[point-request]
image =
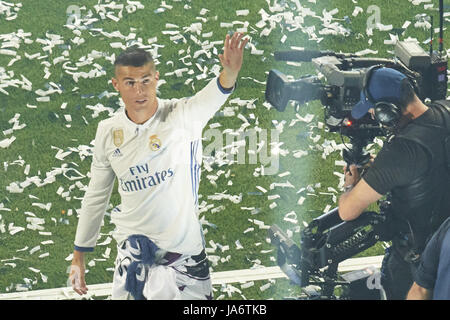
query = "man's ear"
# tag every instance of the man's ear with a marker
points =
(157, 75)
(115, 83)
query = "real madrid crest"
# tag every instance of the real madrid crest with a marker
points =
(118, 137)
(155, 143)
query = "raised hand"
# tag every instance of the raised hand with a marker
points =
(232, 58)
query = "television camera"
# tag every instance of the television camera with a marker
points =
(344, 74)
(328, 240)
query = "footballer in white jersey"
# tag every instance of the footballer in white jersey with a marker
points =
(153, 148)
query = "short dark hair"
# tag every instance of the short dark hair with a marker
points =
(407, 94)
(133, 56)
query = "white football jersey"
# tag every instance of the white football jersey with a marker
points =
(157, 165)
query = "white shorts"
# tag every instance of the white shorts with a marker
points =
(172, 277)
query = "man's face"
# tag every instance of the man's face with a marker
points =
(137, 86)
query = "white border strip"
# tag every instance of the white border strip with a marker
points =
(217, 278)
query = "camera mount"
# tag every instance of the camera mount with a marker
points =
(325, 242)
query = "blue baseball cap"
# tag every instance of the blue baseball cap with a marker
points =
(384, 85)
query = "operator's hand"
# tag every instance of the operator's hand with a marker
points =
(232, 58)
(352, 176)
(77, 271)
(371, 160)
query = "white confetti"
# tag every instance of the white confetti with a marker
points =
(249, 230)
(5, 143)
(261, 189)
(33, 250)
(69, 257)
(244, 12)
(14, 229)
(265, 287)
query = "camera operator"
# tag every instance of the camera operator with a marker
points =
(410, 169)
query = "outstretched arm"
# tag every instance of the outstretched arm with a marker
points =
(358, 196)
(231, 59)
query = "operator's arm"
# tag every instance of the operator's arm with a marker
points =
(397, 164)
(418, 293)
(358, 197)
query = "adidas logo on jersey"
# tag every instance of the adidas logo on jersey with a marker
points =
(117, 153)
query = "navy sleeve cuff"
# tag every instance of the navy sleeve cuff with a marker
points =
(225, 90)
(84, 249)
(424, 279)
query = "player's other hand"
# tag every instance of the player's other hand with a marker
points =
(76, 276)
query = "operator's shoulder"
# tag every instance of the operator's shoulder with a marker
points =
(403, 147)
(441, 103)
(402, 142)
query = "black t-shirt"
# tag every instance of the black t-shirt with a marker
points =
(399, 162)
(396, 169)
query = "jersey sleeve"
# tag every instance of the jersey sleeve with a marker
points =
(397, 164)
(200, 108)
(96, 198)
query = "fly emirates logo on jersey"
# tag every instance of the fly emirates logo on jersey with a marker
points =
(144, 179)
